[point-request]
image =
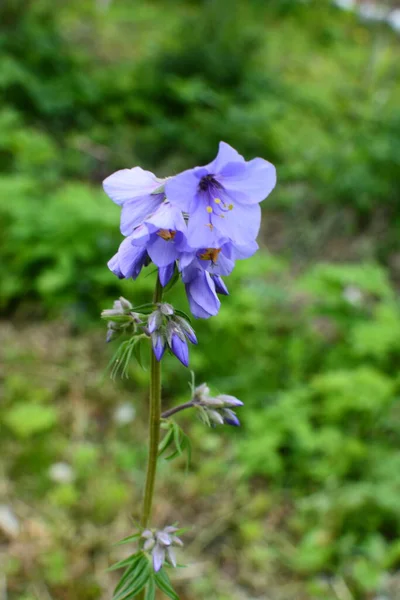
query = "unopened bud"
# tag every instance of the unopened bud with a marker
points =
(166, 309)
(125, 304)
(216, 417)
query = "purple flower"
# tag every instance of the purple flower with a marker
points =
(162, 234)
(139, 193)
(222, 198)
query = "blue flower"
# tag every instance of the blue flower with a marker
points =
(222, 199)
(161, 234)
(157, 240)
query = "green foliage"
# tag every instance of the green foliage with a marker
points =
(26, 419)
(139, 574)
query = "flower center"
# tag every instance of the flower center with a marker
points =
(166, 234)
(210, 254)
(215, 207)
(208, 182)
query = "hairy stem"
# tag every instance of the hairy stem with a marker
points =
(154, 425)
(172, 411)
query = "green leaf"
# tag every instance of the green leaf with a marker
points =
(136, 581)
(177, 437)
(151, 590)
(164, 584)
(130, 561)
(181, 313)
(137, 350)
(165, 442)
(128, 540)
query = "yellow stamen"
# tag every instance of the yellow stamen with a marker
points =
(210, 254)
(209, 209)
(166, 234)
(230, 206)
(217, 201)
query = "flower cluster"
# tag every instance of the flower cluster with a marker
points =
(121, 319)
(160, 544)
(216, 410)
(198, 223)
(169, 329)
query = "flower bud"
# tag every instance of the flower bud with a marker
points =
(159, 345)
(166, 309)
(125, 304)
(230, 417)
(180, 348)
(215, 417)
(154, 321)
(229, 400)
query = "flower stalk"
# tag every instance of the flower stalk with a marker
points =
(154, 425)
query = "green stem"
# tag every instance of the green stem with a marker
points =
(154, 424)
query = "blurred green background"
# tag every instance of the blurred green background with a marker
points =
(303, 502)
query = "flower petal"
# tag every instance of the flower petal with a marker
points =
(200, 234)
(162, 252)
(181, 189)
(220, 286)
(127, 184)
(241, 224)
(241, 252)
(158, 557)
(226, 154)
(165, 274)
(135, 211)
(202, 297)
(250, 185)
(131, 259)
(113, 265)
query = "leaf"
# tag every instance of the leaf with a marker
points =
(181, 313)
(130, 574)
(151, 590)
(136, 581)
(137, 350)
(125, 562)
(177, 437)
(127, 540)
(165, 442)
(164, 584)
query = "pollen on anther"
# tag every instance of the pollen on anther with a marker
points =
(209, 209)
(217, 201)
(230, 206)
